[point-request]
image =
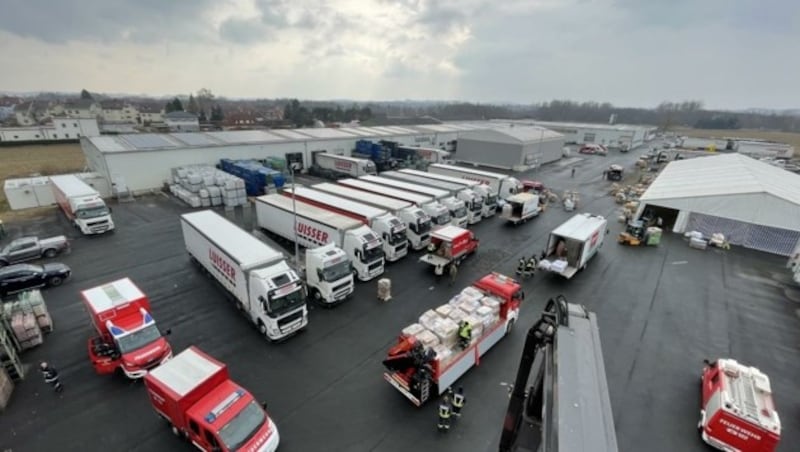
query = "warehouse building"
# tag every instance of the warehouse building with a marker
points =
(142, 162)
(755, 205)
(512, 147)
(614, 136)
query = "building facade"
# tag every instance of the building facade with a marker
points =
(61, 129)
(181, 121)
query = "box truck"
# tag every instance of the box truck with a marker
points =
(385, 224)
(439, 214)
(195, 395)
(502, 184)
(254, 275)
(488, 195)
(450, 244)
(82, 205)
(571, 245)
(418, 223)
(457, 208)
(472, 201)
(316, 227)
(127, 336)
(520, 208)
(334, 166)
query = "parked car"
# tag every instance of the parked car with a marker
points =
(18, 277)
(593, 149)
(29, 248)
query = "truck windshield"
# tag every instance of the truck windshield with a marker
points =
(92, 212)
(138, 339)
(477, 205)
(243, 426)
(397, 237)
(424, 227)
(336, 271)
(443, 219)
(460, 212)
(491, 200)
(285, 303)
(371, 255)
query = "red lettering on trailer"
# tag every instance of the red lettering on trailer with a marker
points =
(343, 164)
(475, 178)
(221, 264)
(595, 236)
(312, 233)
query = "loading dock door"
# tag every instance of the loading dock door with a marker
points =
(757, 237)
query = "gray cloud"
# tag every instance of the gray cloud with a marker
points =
(245, 31)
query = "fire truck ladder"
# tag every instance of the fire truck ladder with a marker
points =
(567, 407)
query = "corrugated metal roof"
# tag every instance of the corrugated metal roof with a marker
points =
(196, 139)
(728, 174)
(289, 134)
(244, 136)
(375, 131)
(356, 131)
(326, 133)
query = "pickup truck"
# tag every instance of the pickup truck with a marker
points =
(29, 248)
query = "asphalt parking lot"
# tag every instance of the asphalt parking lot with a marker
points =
(661, 311)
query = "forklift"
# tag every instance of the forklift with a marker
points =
(636, 234)
(614, 172)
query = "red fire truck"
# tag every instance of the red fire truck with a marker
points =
(194, 393)
(738, 413)
(128, 337)
(421, 371)
(449, 244)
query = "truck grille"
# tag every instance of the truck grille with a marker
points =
(374, 266)
(98, 226)
(336, 289)
(290, 318)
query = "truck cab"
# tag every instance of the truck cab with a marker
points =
(281, 299)
(366, 251)
(128, 338)
(449, 244)
(329, 274)
(458, 211)
(473, 203)
(418, 225)
(440, 215)
(489, 199)
(393, 233)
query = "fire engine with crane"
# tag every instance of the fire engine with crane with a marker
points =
(194, 393)
(450, 244)
(738, 413)
(428, 357)
(127, 335)
(567, 407)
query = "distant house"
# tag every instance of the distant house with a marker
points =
(30, 113)
(150, 114)
(243, 119)
(117, 111)
(82, 108)
(274, 114)
(181, 121)
(61, 129)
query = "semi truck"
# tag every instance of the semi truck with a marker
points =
(385, 224)
(316, 227)
(427, 359)
(440, 215)
(502, 184)
(418, 223)
(457, 208)
(738, 411)
(82, 205)
(566, 407)
(573, 243)
(485, 191)
(332, 166)
(472, 201)
(127, 337)
(520, 208)
(450, 244)
(254, 275)
(195, 395)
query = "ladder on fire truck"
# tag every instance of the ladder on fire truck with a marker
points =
(567, 406)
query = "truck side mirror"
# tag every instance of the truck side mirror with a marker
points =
(110, 210)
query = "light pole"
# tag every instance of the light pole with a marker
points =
(292, 169)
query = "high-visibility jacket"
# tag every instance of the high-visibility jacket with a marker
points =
(465, 331)
(444, 411)
(458, 401)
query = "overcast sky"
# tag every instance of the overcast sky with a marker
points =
(727, 53)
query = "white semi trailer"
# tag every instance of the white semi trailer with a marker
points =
(488, 194)
(457, 208)
(253, 274)
(472, 200)
(316, 227)
(502, 184)
(418, 223)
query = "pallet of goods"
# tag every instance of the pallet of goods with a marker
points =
(206, 186)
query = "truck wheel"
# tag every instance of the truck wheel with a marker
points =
(3, 263)
(262, 328)
(55, 281)
(50, 252)
(315, 295)
(510, 326)
(176, 431)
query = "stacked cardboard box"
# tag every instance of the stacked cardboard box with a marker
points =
(206, 186)
(26, 329)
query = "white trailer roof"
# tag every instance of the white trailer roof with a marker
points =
(448, 233)
(425, 181)
(387, 191)
(237, 243)
(338, 202)
(471, 171)
(185, 371)
(116, 293)
(428, 191)
(343, 157)
(71, 185)
(580, 227)
(370, 198)
(441, 177)
(522, 198)
(318, 214)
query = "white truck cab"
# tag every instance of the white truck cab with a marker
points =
(458, 211)
(439, 213)
(329, 274)
(473, 203)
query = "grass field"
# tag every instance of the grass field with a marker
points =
(23, 161)
(781, 137)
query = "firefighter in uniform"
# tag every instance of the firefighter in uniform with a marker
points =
(51, 377)
(521, 265)
(458, 402)
(464, 334)
(530, 266)
(444, 414)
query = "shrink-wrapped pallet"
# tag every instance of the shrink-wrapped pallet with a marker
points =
(428, 318)
(491, 303)
(427, 338)
(413, 329)
(476, 324)
(472, 292)
(446, 330)
(457, 315)
(469, 305)
(444, 310)
(443, 353)
(455, 301)
(487, 317)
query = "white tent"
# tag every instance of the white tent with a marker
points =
(754, 204)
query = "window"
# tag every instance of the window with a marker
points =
(15, 137)
(193, 427)
(211, 440)
(37, 135)
(55, 135)
(74, 124)
(66, 135)
(79, 135)
(63, 125)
